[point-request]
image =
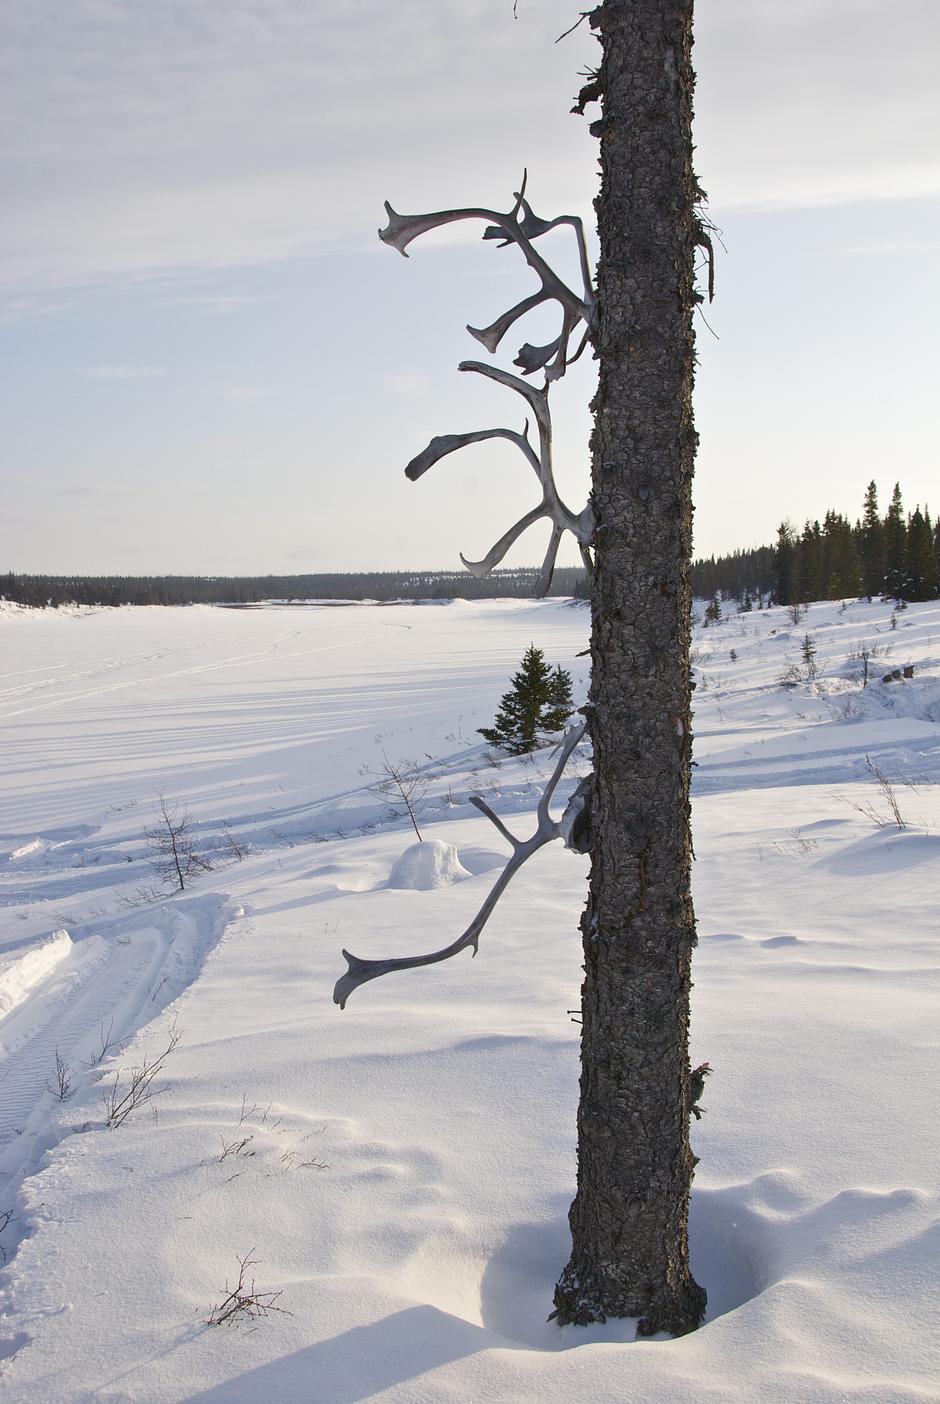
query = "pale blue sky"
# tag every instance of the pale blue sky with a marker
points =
(208, 363)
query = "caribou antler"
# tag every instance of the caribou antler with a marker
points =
(509, 229)
(521, 226)
(359, 971)
(551, 505)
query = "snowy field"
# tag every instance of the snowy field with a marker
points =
(400, 1172)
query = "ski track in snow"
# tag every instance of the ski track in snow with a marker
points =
(86, 1010)
(234, 661)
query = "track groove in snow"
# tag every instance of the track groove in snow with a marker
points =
(104, 991)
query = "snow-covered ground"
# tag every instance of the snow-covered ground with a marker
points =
(400, 1172)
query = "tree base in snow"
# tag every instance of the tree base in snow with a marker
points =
(676, 1313)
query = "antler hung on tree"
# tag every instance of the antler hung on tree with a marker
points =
(521, 226)
(359, 972)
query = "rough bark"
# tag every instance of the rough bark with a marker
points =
(629, 1218)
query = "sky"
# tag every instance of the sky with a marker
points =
(209, 363)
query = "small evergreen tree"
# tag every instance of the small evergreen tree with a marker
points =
(895, 539)
(538, 702)
(920, 577)
(872, 545)
(784, 564)
(810, 555)
(808, 653)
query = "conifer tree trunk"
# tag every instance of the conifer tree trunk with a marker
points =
(629, 1219)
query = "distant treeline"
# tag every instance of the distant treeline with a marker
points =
(897, 554)
(43, 591)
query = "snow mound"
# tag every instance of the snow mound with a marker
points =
(19, 974)
(26, 850)
(427, 865)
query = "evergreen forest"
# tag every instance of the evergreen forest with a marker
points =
(43, 591)
(896, 553)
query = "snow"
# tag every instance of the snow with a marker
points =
(402, 1170)
(427, 865)
(21, 971)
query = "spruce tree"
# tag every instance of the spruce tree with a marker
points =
(872, 545)
(538, 702)
(629, 1251)
(808, 653)
(784, 564)
(920, 575)
(895, 537)
(560, 705)
(810, 555)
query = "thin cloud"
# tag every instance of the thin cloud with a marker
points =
(245, 394)
(219, 303)
(122, 372)
(406, 384)
(119, 163)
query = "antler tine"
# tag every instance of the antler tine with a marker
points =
(581, 526)
(482, 568)
(559, 365)
(491, 336)
(402, 229)
(443, 444)
(360, 972)
(544, 579)
(479, 803)
(577, 224)
(520, 193)
(531, 393)
(572, 738)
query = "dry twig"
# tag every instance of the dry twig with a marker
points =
(121, 1100)
(244, 1299)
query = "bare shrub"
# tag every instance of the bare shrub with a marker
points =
(799, 845)
(234, 1148)
(234, 848)
(244, 1300)
(402, 780)
(887, 791)
(879, 816)
(125, 1098)
(61, 1084)
(172, 841)
(864, 653)
(143, 895)
(6, 1218)
(106, 1043)
(844, 709)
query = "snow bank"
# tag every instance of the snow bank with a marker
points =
(21, 973)
(427, 865)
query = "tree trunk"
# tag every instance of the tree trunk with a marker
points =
(629, 1218)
